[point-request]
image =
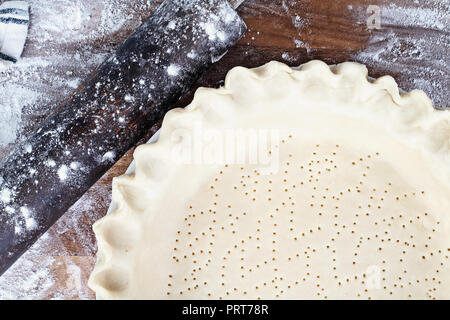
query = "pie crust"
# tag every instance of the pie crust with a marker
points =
(290, 183)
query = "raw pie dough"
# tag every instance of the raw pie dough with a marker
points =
(353, 202)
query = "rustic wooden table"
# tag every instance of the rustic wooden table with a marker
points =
(411, 43)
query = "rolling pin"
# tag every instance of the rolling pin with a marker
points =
(107, 115)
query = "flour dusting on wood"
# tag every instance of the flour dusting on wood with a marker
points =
(418, 59)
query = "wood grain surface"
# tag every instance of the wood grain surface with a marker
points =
(414, 50)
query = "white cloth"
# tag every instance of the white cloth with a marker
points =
(14, 21)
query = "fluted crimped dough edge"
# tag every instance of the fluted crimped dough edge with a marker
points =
(409, 116)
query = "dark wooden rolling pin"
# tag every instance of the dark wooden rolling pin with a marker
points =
(107, 115)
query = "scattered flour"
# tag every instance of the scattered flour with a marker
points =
(173, 70)
(435, 17)
(53, 268)
(286, 56)
(29, 280)
(66, 41)
(413, 44)
(63, 172)
(12, 100)
(108, 156)
(417, 59)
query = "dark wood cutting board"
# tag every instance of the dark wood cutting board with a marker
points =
(412, 44)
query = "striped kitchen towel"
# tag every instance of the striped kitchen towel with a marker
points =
(14, 20)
